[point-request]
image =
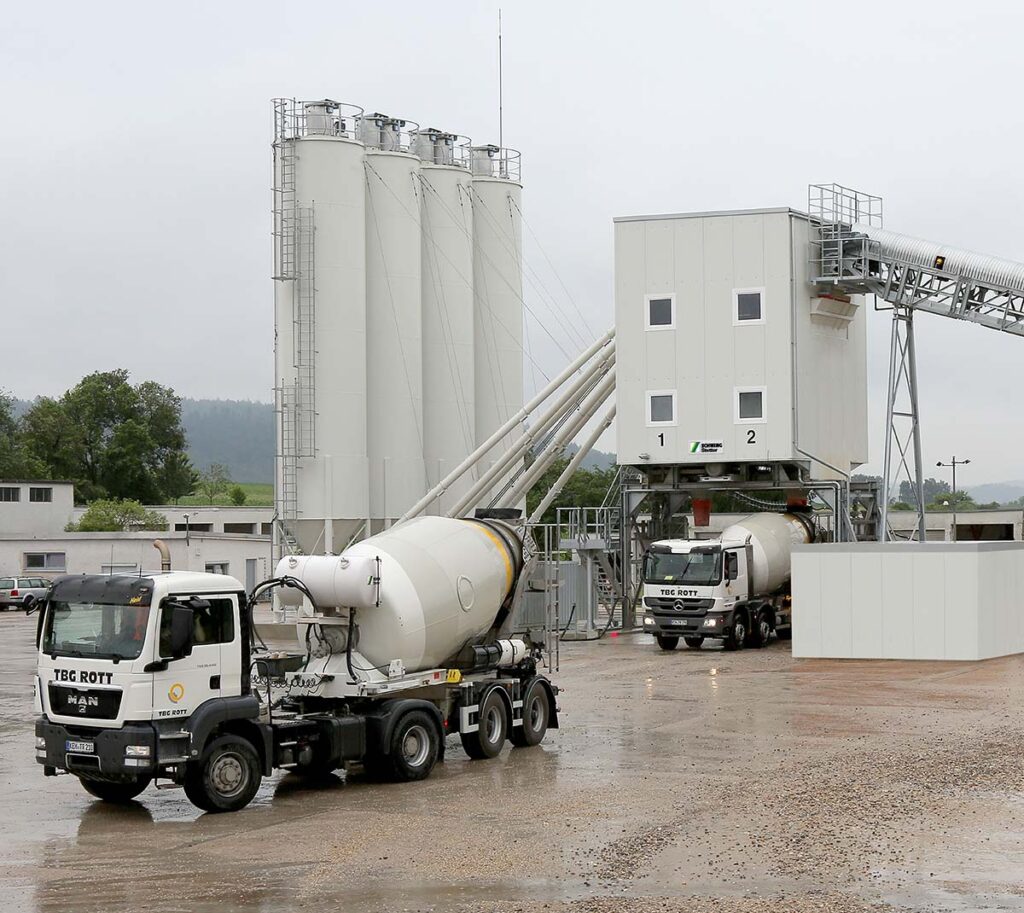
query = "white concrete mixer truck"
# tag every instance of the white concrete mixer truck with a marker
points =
(407, 636)
(734, 588)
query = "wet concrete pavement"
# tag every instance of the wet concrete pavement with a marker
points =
(678, 782)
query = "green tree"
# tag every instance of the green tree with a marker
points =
(214, 481)
(933, 488)
(108, 516)
(585, 488)
(237, 495)
(178, 478)
(110, 438)
(16, 461)
(948, 501)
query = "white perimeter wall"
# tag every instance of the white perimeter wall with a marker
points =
(956, 601)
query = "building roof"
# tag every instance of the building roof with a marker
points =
(711, 213)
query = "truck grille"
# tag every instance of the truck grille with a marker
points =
(671, 605)
(95, 703)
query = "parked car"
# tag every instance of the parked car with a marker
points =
(22, 592)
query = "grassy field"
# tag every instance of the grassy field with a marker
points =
(257, 494)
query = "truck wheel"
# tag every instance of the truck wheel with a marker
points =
(666, 641)
(226, 777)
(737, 637)
(490, 736)
(763, 634)
(694, 643)
(536, 713)
(413, 749)
(116, 792)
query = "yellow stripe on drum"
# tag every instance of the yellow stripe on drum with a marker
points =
(503, 548)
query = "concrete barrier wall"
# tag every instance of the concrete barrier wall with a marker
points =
(957, 601)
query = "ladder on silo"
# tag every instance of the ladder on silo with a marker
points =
(304, 333)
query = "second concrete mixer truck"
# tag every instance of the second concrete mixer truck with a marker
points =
(407, 641)
(734, 588)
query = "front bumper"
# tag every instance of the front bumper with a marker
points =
(687, 626)
(106, 760)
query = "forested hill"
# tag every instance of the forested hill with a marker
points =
(237, 433)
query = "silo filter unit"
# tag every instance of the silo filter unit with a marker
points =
(447, 265)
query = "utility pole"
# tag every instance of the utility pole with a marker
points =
(953, 465)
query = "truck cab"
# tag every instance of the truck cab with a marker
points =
(702, 589)
(134, 674)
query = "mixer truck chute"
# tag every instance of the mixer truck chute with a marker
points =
(151, 677)
(734, 588)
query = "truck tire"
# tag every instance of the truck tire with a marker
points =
(694, 643)
(413, 750)
(536, 713)
(737, 636)
(666, 641)
(762, 634)
(117, 793)
(492, 730)
(226, 777)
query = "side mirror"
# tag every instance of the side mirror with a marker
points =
(180, 640)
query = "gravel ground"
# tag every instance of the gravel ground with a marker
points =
(686, 781)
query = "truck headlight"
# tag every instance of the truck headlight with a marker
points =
(40, 742)
(136, 751)
(648, 621)
(710, 622)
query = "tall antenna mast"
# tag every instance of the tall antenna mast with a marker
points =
(501, 143)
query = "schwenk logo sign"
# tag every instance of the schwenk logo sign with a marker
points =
(706, 446)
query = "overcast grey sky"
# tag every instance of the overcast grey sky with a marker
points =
(136, 162)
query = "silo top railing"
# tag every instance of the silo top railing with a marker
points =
(389, 134)
(294, 119)
(496, 162)
(436, 147)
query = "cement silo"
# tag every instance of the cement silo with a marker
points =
(497, 291)
(394, 394)
(446, 212)
(320, 311)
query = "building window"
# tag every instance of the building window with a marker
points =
(266, 529)
(193, 527)
(747, 306)
(660, 312)
(44, 561)
(661, 407)
(10, 494)
(40, 495)
(216, 567)
(248, 529)
(750, 405)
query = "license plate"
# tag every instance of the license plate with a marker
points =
(81, 747)
(677, 621)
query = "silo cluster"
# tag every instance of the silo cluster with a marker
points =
(398, 310)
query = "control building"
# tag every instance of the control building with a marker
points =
(731, 365)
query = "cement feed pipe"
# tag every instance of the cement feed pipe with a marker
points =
(607, 340)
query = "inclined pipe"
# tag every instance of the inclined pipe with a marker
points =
(542, 424)
(574, 464)
(165, 555)
(474, 457)
(586, 411)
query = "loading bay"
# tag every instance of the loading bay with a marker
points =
(678, 781)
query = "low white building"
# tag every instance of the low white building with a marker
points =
(35, 507)
(246, 557)
(34, 515)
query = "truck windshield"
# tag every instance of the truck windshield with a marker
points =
(96, 630)
(695, 568)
